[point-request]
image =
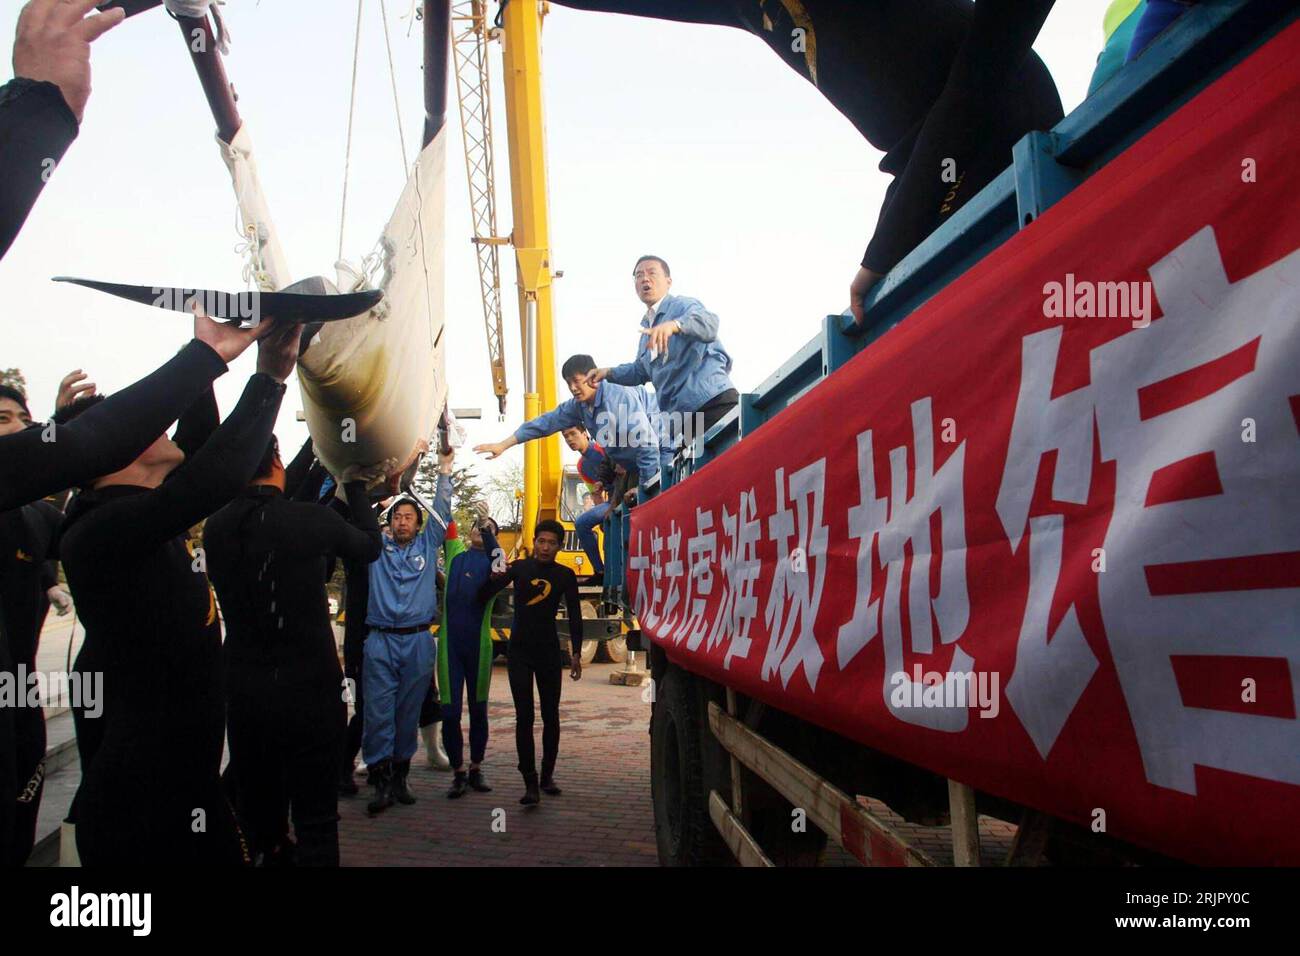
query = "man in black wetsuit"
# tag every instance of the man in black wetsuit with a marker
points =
(356, 593)
(533, 653)
(26, 579)
(269, 558)
(151, 793)
(926, 81)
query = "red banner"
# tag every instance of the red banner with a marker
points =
(1044, 536)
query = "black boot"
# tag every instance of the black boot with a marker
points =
(400, 792)
(478, 781)
(347, 785)
(318, 843)
(549, 787)
(458, 786)
(381, 775)
(531, 797)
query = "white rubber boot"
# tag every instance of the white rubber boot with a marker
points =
(433, 751)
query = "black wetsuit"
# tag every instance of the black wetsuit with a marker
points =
(26, 574)
(269, 558)
(304, 480)
(36, 127)
(356, 595)
(194, 428)
(922, 80)
(151, 793)
(534, 651)
(108, 436)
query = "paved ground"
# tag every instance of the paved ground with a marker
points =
(603, 818)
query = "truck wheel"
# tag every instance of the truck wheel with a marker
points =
(683, 830)
(589, 649)
(616, 649)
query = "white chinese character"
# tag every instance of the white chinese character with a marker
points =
(701, 552)
(1049, 676)
(889, 530)
(741, 568)
(673, 573)
(1182, 554)
(795, 590)
(638, 569)
(650, 616)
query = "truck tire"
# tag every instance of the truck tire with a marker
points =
(684, 833)
(616, 649)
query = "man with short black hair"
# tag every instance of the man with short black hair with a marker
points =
(592, 464)
(465, 652)
(269, 558)
(28, 585)
(533, 653)
(152, 628)
(615, 415)
(399, 651)
(691, 375)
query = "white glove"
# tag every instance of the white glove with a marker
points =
(61, 600)
(456, 434)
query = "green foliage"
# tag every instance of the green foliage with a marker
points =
(504, 491)
(13, 377)
(466, 494)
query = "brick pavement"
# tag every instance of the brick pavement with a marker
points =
(603, 818)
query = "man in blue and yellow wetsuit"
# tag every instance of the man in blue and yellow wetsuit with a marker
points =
(465, 651)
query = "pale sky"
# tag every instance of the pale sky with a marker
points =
(694, 143)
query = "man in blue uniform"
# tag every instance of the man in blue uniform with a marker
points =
(680, 354)
(399, 651)
(592, 462)
(614, 414)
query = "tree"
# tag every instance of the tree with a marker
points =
(466, 494)
(13, 377)
(504, 491)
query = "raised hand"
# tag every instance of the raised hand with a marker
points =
(659, 336)
(53, 45)
(72, 387)
(227, 339)
(277, 349)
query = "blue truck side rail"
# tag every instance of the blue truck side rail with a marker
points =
(1203, 44)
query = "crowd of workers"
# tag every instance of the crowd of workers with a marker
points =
(178, 690)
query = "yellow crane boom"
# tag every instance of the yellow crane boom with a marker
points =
(525, 126)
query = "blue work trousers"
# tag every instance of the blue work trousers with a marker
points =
(585, 525)
(395, 676)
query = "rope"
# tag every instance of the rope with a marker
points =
(392, 75)
(419, 197)
(352, 107)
